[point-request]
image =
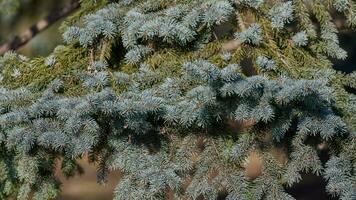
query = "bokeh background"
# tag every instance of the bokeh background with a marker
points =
(17, 17)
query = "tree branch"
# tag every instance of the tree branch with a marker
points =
(41, 25)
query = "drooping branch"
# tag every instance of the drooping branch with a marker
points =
(41, 25)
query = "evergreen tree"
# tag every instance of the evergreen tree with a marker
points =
(156, 89)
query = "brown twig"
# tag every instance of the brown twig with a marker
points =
(240, 22)
(41, 25)
(234, 44)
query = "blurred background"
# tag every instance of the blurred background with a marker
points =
(17, 16)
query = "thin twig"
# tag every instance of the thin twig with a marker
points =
(91, 59)
(240, 22)
(104, 47)
(41, 25)
(234, 44)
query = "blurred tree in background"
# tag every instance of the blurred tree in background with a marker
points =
(18, 15)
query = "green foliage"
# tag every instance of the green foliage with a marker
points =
(9, 6)
(149, 88)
